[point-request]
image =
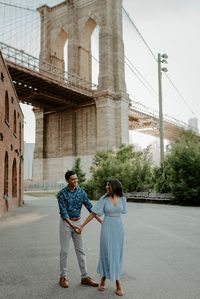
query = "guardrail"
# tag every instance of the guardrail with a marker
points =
(28, 61)
(149, 197)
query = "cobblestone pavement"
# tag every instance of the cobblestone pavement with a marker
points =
(162, 253)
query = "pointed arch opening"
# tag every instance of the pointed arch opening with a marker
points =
(66, 55)
(20, 137)
(58, 51)
(6, 174)
(14, 178)
(89, 51)
(95, 54)
(7, 108)
(20, 183)
(15, 123)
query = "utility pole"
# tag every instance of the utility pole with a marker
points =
(161, 59)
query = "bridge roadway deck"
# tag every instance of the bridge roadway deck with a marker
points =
(46, 90)
(161, 253)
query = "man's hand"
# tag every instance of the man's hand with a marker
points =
(77, 229)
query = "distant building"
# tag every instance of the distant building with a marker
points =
(11, 143)
(28, 160)
(193, 124)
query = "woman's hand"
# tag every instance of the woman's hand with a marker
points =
(80, 228)
(77, 229)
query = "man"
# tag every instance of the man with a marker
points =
(70, 201)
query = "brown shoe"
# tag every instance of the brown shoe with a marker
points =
(63, 282)
(89, 281)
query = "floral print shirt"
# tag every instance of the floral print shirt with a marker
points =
(70, 203)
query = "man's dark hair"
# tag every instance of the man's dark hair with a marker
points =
(68, 174)
(116, 186)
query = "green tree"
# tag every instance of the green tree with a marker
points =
(180, 171)
(162, 177)
(184, 161)
(132, 168)
(77, 169)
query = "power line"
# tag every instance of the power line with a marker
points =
(180, 95)
(139, 33)
(139, 78)
(140, 74)
(17, 6)
(133, 69)
(146, 44)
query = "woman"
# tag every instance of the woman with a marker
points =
(112, 205)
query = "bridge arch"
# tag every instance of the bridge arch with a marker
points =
(85, 54)
(98, 123)
(57, 52)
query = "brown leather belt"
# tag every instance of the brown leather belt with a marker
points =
(75, 219)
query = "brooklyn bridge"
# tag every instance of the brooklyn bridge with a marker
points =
(75, 117)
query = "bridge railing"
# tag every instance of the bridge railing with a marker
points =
(147, 196)
(72, 81)
(140, 108)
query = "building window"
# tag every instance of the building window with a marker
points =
(20, 136)
(6, 107)
(20, 185)
(14, 178)
(15, 123)
(2, 77)
(6, 174)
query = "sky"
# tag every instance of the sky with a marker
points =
(170, 27)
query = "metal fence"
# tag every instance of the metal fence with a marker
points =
(43, 186)
(72, 81)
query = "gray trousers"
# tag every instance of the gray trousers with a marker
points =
(66, 233)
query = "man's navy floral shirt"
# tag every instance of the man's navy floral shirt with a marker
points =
(70, 203)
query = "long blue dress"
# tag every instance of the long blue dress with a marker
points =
(111, 238)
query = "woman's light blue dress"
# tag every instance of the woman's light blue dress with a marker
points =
(111, 238)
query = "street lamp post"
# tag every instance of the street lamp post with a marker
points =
(161, 59)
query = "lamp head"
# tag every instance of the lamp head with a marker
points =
(164, 69)
(164, 56)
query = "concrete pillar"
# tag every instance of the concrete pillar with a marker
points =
(38, 164)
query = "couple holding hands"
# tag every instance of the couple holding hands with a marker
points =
(111, 205)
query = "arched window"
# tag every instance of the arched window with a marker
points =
(89, 52)
(95, 54)
(6, 107)
(15, 123)
(66, 55)
(20, 181)
(6, 174)
(20, 136)
(14, 178)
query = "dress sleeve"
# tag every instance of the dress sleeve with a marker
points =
(124, 205)
(99, 207)
(87, 202)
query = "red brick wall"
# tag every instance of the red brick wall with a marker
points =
(10, 142)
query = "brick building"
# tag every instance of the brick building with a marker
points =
(11, 143)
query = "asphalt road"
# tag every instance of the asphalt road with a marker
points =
(162, 253)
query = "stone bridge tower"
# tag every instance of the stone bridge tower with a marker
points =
(63, 136)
